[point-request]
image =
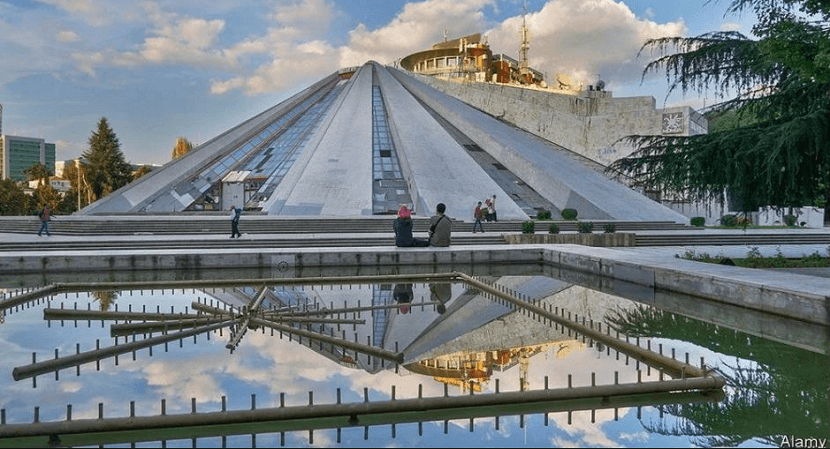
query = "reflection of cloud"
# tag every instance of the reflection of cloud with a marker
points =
(637, 437)
(183, 381)
(589, 433)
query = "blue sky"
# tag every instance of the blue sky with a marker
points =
(159, 69)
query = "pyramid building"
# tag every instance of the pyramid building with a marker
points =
(363, 141)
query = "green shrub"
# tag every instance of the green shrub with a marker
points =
(543, 215)
(728, 220)
(585, 227)
(569, 214)
(698, 221)
(610, 228)
(790, 220)
(553, 229)
(528, 227)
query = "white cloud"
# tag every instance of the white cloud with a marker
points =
(583, 39)
(67, 36)
(97, 14)
(416, 28)
(580, 38)
(298, 46)
(314, 15)
(179, 40)
(731, 26)
(75, 6)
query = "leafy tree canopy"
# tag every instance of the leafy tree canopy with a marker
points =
(107, 169)
(37, 172)
(182, 147)
(13, 200)
(143, 170)
(776, 151)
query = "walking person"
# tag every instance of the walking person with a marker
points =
(440, 227)
(235, 213)
(45, 215)
(491, 209)
(478, 214)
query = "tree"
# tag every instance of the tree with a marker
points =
(38, 172)
(76, 174)
(13, 200)
(182, 147)
(777, 152)
(46, 195)
(143, 170)
(107, 169)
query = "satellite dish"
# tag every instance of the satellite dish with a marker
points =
(600, 85)
(565, 81)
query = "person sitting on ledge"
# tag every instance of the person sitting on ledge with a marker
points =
(403, 230)
(440, 227)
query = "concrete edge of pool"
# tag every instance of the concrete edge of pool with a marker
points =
(801, 297)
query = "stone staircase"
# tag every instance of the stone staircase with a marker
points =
(280, 232)
(254, 224)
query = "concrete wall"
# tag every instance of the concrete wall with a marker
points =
(560, 176)
(590, 123)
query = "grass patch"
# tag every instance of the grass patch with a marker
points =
(741, 227)
(754, 259)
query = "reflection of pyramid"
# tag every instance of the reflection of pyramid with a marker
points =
(296, 308)
(365, 140)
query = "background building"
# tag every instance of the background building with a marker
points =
(19, 153)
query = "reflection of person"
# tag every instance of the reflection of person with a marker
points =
(235, 213)
(45, 215)
(440, 227)
(403, 230)
(403, 295)
(440, 293)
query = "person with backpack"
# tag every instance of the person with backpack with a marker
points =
(440, 227)
(478, 215)
(235, 213)
(45, 215)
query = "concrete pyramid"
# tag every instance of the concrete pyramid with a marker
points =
(366, 140)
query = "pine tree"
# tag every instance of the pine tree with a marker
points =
(777, 151)
(107, 169)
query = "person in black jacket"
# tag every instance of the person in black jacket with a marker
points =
(235, 213)
(403, 229)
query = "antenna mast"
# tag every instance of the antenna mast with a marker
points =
(524, 66)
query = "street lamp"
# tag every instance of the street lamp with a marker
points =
(78, 166)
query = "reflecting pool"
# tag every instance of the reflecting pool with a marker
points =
(403, 360)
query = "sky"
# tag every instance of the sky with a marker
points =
(160, 69)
